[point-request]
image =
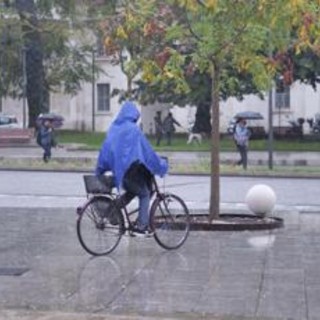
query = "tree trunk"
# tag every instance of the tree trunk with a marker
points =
(215, 147)
(37, 93)
(203, 118)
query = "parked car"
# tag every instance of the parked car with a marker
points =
(8, 121)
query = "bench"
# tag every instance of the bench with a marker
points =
(16, 135)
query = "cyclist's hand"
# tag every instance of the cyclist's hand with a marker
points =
(164, 165)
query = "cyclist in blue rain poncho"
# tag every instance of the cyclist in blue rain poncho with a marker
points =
(128, 154)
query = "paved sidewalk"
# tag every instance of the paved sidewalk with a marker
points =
(265, 275)
(215, 275)
(255, 157)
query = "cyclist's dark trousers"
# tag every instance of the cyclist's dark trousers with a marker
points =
(137, 183)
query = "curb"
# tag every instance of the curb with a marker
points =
(196, 174)
(227, 222)
(235, 222)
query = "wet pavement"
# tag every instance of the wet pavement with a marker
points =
(270, 274)
(265, 275)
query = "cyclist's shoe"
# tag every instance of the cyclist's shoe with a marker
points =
(142, 233)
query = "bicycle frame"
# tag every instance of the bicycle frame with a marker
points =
(162, 220)
(155, 191)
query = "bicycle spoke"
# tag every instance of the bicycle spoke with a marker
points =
(170, 221)
(97, 232)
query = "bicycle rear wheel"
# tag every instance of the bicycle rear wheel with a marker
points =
(100, 226)
(170, 221)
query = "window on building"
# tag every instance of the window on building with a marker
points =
(100, 47)
(282, 96)
(103, 96)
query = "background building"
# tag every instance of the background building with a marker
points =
(94, 107)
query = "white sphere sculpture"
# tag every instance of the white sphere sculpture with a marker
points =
(261, 199)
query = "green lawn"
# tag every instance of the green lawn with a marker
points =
(94, 140)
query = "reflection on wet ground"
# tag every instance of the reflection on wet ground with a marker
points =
(258, 273)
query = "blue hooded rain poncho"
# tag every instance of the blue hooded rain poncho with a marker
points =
(125, 143)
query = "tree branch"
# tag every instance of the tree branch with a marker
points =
(236, 37)
(193, 33)
(201, 3)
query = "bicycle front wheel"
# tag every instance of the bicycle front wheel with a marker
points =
(100, 226)
(170, 221)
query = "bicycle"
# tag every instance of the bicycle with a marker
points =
(104, 218)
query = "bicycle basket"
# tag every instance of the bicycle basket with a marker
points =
(98, 184)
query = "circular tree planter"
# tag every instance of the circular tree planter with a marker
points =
(234, 222)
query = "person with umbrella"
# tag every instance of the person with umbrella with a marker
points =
(241, 137)
(45, 136)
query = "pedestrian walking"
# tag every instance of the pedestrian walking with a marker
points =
(169, 128)
(158, 128)
(241, 137)
(46, 138)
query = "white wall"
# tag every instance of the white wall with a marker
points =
(182, 114)
(147, 114)
(77, 110)
(232, 106)
(305, 103)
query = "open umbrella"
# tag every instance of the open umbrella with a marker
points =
(249, 115)
(56, 119)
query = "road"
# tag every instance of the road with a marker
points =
(58, 189)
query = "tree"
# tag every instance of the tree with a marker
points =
(50, 35)
(140, 34)
(37, 91)
(131, 35)
(306, 67)
(303, 67)
(220, 33)
(209, 36)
